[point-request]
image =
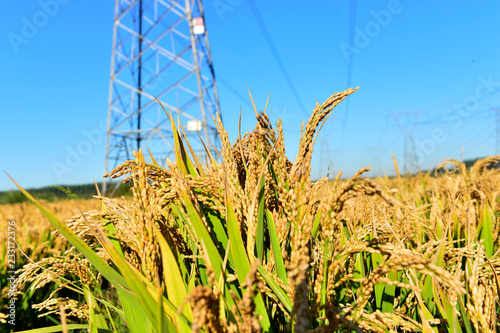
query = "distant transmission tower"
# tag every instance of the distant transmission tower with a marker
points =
(160, 49)
(377, 152)
(328, 155)
(327, 160)
(497, 111)
(411, 162)
(498, 131)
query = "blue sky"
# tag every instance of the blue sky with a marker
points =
(440, 59)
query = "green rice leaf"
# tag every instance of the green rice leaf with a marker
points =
(278, 291)
(174, 283)
(203, 235)
(181, 157)
(464, 315)
(389, 294)
(57, 328)
(96, 318)
(379, 287)
(110, 274)
(316, 224)
(241, 262)
(275, 244)
(259, 238)
(486, 231)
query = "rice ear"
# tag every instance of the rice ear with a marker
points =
(319, 115)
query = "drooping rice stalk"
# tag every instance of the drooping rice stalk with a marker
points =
(249, 243)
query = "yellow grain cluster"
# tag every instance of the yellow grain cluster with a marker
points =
(413, 253)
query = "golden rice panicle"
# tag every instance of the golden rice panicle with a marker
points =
(303, 211)
(396, 233)
(483, 293)
(231, 172)
(55, 269)
(205, 305)
(299, 278)
(320, 114)
(52, 306)
(205, 301)
(281, 164)
(481, 165)
(332, 203)
(247, 304)
(122, 169)
(58, 270)
(133, 221)
(388, 322)
(266, 125)
(477, 184)
(256, 157)
(146, 217)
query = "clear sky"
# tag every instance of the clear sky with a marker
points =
(436, 58)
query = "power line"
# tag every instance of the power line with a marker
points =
(476, 139)
(383, 132)
(497, 111)
(328, 155)
(232, 90)
(441, 118)
(275, 53)
(352, 24)
(410, 154)
(377, 152)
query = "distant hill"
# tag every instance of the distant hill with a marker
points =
(468, 164)
(51, 193)
(86, 191)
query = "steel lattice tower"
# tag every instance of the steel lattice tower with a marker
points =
(411, 164)
(160, 49)
(378, 152)
(497, 148)
(327, 155)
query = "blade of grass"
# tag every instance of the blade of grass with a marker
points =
(174, 283)
(57, 328)
(259, 238)
(241, 261)
(96, 319)
(203, 235)
(278, 291)
(486, 231)
(275, 244)
(144, 293)
(464, 315)
(182, 159)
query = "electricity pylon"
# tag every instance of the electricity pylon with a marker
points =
(411, 162)
(377, 152)
(497, 111)
(160, 50)
(327, 155)
(327, 160)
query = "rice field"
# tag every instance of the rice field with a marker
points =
(34, 234)
(246, 242)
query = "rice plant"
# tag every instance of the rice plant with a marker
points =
(36, 242)
(245, 242)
